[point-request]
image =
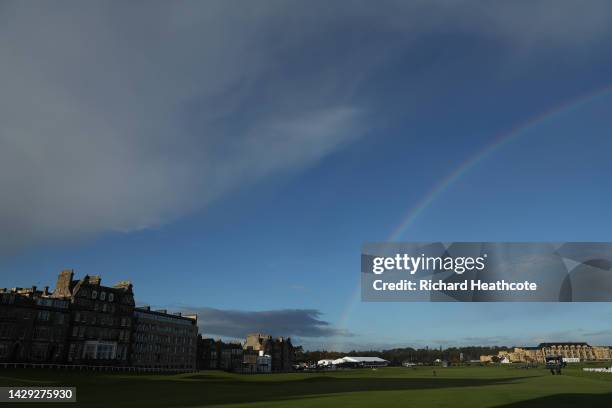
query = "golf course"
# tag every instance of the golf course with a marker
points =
(476, 386)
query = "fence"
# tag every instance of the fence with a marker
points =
(598, 370)
(80, 367)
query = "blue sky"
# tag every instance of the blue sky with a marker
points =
(232, 161)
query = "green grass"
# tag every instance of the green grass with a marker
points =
(389, 387)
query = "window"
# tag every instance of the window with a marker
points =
(39, 352)
(103, 296)
(111, 297)
(94, 294)
(72, 352)
(43, 315)
(99, 350)
(89, 352)
(41, 333)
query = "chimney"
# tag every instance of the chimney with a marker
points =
(64, 283)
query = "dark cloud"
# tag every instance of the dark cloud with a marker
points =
(285, 322)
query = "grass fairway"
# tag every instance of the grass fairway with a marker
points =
(389, 387)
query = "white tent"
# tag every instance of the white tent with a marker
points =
(361, 361)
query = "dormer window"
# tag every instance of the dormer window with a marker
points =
(103, 296)
(111, 297)
(94, 294)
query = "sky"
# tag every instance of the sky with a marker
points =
(231, 158)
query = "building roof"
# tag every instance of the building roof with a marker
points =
(164, 313)
(541, 345)
(351, 359)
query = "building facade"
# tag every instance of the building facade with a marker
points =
(101, 319)
(280, 350)
(33, 327)
(569, 351)
(162, 340)
(231, 356)
(206, 352)
(260, 353)
(83, 322)
(218, 355)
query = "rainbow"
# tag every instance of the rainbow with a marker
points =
(497, 143)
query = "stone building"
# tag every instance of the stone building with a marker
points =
(33, 326)
(231, 356)
(280, 350)
(100, 317)
(163, 340)
(84, 322)
(218, 355)
(207, 357)
(581, 351)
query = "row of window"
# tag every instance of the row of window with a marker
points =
(97, 350)
(101, 333)
(46, 315)
(7, 298)
(50, 333)
(94, 295)
(104, 320)
(157, 348)
(49, 302)
(149, 327)
(155, 338)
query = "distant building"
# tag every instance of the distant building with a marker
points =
(279, 349)
(230, 356)
(256, 362)
(573, 351)
(206, 354)
(163, 340)
(486, 359)
(259, 354)
(218, 355)
(264, 363)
